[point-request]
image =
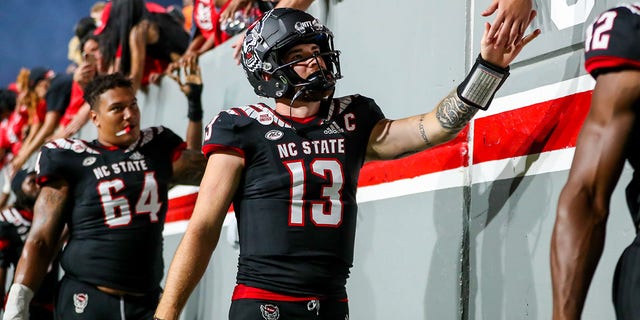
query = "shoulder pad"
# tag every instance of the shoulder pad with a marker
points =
(75, 145)
(258, 112)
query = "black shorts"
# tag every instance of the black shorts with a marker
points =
(254, 309)
(626, 283)
(80, 300)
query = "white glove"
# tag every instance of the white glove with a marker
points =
(17, 307)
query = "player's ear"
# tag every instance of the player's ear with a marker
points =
(94, 118)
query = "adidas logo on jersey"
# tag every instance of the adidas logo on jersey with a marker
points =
(333, 129)
(136, 156)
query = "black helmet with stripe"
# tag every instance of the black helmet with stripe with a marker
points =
(266, 42)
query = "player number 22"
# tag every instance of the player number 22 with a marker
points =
(117, 211)
(326, 212)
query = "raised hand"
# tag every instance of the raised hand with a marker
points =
(510, 22)
(235, 5)
(502, 56)
(187, 70)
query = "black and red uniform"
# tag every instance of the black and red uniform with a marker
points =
(115, 212)
(296, 203)
(14, 227)
(613, 44)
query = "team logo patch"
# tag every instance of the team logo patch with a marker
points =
(270, 312)
(78, 147)
(80, 301)
(274, 135)
(88, 161)
(265, 119)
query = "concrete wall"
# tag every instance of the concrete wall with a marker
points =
(464, 243)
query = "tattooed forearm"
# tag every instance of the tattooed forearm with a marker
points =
(423, 133)
(453, 114)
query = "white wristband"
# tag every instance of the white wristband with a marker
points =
(481, 84)
(17, 307)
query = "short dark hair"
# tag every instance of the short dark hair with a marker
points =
(23, 201)
(101, 84)
(7, 100)
(84, 26)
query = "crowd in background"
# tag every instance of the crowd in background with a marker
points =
(141, 39)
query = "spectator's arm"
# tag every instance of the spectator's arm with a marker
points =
(194, 47)
(79, 120)
(207, 44)
(51, 121)
(33, 131)
(295, 4)
(189, 168)
(138, 46)
(235, 5)
(6, 189)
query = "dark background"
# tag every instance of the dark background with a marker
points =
(37, 33)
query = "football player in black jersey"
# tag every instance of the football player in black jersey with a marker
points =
(608, 138)
(292, 171)
(15, 222)
(112, 194)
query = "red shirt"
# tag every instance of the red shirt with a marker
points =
(207, 19)
(77, 100)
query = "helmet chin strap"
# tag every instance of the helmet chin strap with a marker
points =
(293, 99)
(316, 82)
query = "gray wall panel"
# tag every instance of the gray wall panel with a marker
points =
(510, 232)
(407, 260)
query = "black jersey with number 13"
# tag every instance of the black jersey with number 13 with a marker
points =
(296, 203)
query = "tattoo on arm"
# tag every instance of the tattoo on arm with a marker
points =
(51, 201)
(423, 133)
(453, 114)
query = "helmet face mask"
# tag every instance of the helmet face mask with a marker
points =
(267, 41)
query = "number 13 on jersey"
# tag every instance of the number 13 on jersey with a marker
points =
(327, 210)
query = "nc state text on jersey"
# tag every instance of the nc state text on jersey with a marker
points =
(118, 167)
(316, 147)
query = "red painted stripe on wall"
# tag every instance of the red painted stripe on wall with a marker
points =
(542, 127)
(180, 208)
(453, 154)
